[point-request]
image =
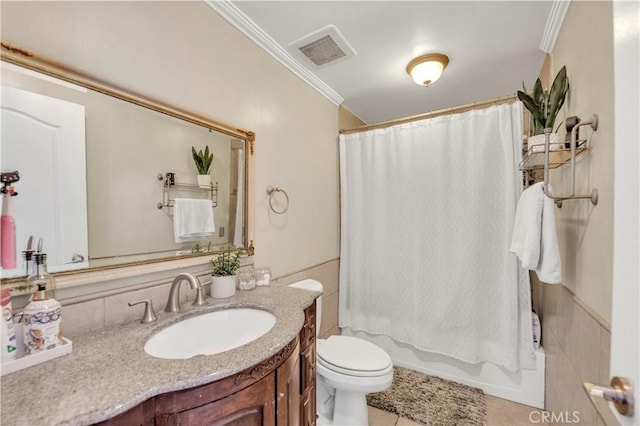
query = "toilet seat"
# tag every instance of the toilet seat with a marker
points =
(354, 373)
(353, 357)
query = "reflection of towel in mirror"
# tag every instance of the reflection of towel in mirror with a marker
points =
(534, 239)
(192, 220)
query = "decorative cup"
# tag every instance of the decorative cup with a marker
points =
(246, 279)
(263, 276)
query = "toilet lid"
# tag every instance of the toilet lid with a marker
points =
(351, 353)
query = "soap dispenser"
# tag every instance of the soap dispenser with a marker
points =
(42, 316)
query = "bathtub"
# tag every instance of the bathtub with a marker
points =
(525, 386)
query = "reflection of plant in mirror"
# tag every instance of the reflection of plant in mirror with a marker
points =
(226, 263)
(203, 160)
(197, 248)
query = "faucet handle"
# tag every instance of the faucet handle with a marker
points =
(149, 314)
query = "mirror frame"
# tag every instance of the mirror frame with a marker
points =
(25, 59)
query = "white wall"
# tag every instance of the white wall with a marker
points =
(585, 46)
(184, 54)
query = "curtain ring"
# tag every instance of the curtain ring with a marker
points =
(272, 190)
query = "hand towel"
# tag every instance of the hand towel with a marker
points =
(192, 220)
(534, 238)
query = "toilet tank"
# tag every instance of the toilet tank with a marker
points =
(312, 285)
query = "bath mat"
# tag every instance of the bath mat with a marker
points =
(431, 401)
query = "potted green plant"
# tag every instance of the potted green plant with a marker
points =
(203, 162)
(225, 268)
(544, 107)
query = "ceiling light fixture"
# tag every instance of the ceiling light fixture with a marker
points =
(426, 69)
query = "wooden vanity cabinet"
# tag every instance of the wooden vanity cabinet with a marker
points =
(308, 368)
(288, 390)
(301, 404)
(250, 406)
(278, 391)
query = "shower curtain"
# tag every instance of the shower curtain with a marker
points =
(427, 210)
(238, 236)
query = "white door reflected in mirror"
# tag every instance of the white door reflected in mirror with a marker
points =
(44, 139)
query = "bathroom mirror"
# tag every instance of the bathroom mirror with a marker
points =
(101, 191)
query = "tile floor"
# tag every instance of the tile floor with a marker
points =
(500, 412)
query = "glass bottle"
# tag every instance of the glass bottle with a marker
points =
(27, 256)
(40, 275)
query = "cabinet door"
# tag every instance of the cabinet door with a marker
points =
(140, 415)
(288, 390)
(308, 375)
(252, 406)
(308, 332)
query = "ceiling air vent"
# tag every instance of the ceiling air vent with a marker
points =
(323, 47)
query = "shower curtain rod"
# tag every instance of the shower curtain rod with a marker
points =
(431, 114)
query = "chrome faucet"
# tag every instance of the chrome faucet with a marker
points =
(173, 304)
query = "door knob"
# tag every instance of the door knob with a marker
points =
(620, 393)
(76, 258)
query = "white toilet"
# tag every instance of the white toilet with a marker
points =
(348, 368)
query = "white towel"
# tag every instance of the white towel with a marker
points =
(192, 220)
(534, 239)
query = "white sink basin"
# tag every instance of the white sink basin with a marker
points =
(210, 333)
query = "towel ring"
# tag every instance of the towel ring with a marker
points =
(271, 190)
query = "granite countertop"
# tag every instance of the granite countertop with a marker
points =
(109, 372)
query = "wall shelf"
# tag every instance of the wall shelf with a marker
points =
(533, 159)
(169, 187)
(546, 157)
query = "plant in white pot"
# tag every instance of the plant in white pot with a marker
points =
(544, 107)
(203, 162)
(225, 268)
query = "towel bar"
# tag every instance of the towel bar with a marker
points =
(169, 185)
(272, 190)
(593, 122)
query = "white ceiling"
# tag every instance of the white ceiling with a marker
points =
(492, 46)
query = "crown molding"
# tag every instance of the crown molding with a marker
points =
(245, 25)
(554, 24)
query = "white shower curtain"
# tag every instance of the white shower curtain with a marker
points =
(427, 210)
(238, 236)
